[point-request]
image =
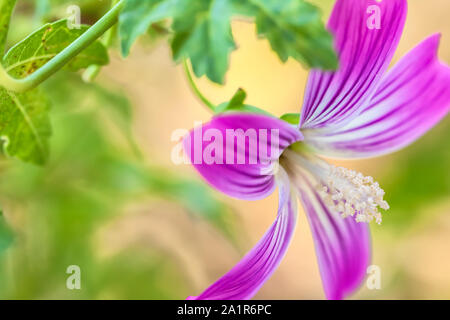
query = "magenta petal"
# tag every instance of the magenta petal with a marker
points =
(334, 98)
(342, 245)
(240, 169)
(244, 280)
(411, 99)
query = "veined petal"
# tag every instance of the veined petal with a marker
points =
(342, 244)
(412, 98)
(236, 152)
(365, 50)
(244, 280)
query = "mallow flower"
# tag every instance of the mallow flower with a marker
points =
(361, 110)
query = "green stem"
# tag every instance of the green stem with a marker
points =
(6, 10)
(42, 7)
(196, 90)
(93, 71)
(65, 56)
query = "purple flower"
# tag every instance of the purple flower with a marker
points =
(359, 111)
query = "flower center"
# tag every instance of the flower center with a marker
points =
(344, 191)
(350, 193)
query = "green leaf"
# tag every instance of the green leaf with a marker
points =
(42, 45)
(202, 31)
(292, 118)
(24, 122)
(294, 29)
(24, 125)
(137, 16)
(203, 34)
(6, 9)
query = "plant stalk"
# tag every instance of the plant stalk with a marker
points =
(65, 56)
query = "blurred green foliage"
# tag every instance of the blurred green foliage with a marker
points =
(6, 235)
(94, 171)
(88, 180)
(420, 178)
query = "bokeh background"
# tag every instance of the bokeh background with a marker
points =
(111, 201)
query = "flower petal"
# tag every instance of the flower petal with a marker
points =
(244, 280)
(246, 148)
(334, 98)
(412, 98)
(342, 245)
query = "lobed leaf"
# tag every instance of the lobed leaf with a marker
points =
(137, 17)
(202, 30)
(203, 34)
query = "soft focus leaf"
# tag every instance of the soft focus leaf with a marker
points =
(42, 45)
(24, 125)
(157, 273)
(137, 17)
(91, 97)
(202, 30)
(203, 34)
(120, 174)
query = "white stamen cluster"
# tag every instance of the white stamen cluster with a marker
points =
(350, 193)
